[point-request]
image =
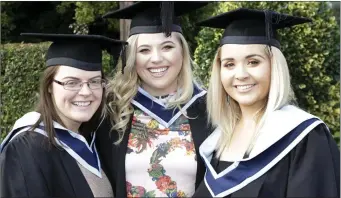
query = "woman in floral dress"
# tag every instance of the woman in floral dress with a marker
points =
(159, 111)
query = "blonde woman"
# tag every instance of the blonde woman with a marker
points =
(159, 111)
(263, 146)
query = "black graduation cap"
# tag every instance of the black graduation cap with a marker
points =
(155, 16)
(247, 26)
(78, 51)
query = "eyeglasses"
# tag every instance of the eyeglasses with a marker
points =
(76, 85)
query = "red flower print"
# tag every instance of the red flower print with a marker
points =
(185, 127)
(163, 183)
(128, 184)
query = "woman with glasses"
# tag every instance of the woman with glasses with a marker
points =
(51, 151)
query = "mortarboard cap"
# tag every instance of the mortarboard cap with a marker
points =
(155, 16)
(247, 26)
(78, 51)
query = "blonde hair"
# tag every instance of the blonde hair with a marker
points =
(224, 112)
(123, 87)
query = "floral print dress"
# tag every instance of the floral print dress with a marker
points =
(160, 161)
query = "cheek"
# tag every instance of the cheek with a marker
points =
(174, 57)
(141, 61)
(226, 78)
(265, 77)
(99, 94)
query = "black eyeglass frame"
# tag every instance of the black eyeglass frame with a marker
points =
(77, 88)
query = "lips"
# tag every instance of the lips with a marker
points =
(82, 103)
(244, 87)
(158, 70)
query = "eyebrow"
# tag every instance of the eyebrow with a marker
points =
(146, 45)
(75, 78)
(248, 56)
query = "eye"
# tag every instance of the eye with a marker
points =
(229, 64)
(96, 81)
(144, 50)
(72, 83)
(253, 62)
(168, 47)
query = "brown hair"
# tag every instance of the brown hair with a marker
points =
(48, 113)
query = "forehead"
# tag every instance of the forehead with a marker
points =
(236, 50)
(66, 71)
(155, 39)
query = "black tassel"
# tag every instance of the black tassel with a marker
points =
(166, 15)
(99, 26)
(123, 58)
(268, 26)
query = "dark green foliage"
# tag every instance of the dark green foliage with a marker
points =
(312, 52)
(37, 16)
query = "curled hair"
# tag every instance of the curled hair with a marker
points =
(123, 87)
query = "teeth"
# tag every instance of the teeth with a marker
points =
(244, 86)
(158, 70)
(81, 104)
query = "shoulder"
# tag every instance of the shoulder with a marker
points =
(105, 132)
(199, 104)
(318, 143)
(28, 142)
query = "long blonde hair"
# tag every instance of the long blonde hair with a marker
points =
(224, 112)
(123, 87)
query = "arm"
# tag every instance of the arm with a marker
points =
(19, 173)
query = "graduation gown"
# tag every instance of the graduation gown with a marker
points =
(302, 162)
(30, 167)
(113, 157)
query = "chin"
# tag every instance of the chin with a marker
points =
(246, 102)
(82, 118)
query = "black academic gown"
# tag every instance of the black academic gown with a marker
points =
(310, 169)
(113, 157)
(30, 168)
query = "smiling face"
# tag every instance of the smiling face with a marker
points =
(158, 62)
(246, 73)
(75, 107)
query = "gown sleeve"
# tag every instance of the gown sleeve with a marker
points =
(315, 166)
(19, 173)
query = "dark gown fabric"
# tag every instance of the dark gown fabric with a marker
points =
(311, 169)
(29, 167)
(113, 156)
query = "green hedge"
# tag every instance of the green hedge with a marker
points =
(21, 67)
(312, 52)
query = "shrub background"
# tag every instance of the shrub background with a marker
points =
(312, 52)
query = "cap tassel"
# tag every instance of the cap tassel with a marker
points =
(167, 13)
(123, 58)
(99, 26)
(268, 26)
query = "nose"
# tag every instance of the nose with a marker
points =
(156, 56)
(241, 72)
(85, 90)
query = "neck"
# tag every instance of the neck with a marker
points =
(249, 112)
(71, 125)
(160, 92)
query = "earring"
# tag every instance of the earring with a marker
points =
(228, 99)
